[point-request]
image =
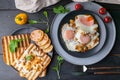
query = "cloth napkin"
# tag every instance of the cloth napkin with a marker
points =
(33, 6)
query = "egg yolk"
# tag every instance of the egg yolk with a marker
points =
(85, 39)
(88, 21)
(69, 34)
(90, 18)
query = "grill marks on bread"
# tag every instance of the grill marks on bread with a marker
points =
(36, 68)
(7, 55)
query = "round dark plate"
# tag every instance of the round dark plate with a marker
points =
(24, 30)
(102, 32)
(107, 35)
(27, 30)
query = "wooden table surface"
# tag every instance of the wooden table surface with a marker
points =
(7, 26)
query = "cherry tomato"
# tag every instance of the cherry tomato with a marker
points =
(78, 6)
(107, 19)
(102, 11)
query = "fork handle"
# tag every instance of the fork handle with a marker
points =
(102, 68)
(100, 73)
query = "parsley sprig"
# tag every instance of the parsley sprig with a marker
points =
(45, 13)
(41, 21)
(60, 9)
(36, 22)
(29, 57)
(58, 65)
(14, 45)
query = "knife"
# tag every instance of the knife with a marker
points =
(109, 1)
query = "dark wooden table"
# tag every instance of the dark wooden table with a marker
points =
(7, 26)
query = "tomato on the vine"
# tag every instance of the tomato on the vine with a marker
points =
(107, 19)
(78, 6)
(102, 11)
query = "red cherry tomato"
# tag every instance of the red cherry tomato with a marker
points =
(107, 19)
(102, 11)
(78, 6)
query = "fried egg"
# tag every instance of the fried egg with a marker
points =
(68, 34)
(87, 39)
(86, 23)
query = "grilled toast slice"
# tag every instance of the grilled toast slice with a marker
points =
(32, 63)
(43, 74)
(9, 57)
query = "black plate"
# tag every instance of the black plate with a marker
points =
(102, 32)
(23, 30)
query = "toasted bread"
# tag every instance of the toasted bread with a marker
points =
(9, 57)
(37, 64)
(43, 74)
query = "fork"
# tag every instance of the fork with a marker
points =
(83, 71)
(99, 68)
(102, 68)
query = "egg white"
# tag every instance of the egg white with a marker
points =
(78, 34)
(93, 37)
(91, 43)
(85, 28)
(65, 28)
(70, 44)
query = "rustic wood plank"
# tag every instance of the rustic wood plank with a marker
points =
(116, 18)
(110, 6)
(107, 6)
(7, 72)
(7, 4)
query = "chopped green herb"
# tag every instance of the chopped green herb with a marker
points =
(33, 22)
(58, 65)
(79, 73)
(14, 44)
(29, 57)
(45, 13)
(47, 30)
(60, 9)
